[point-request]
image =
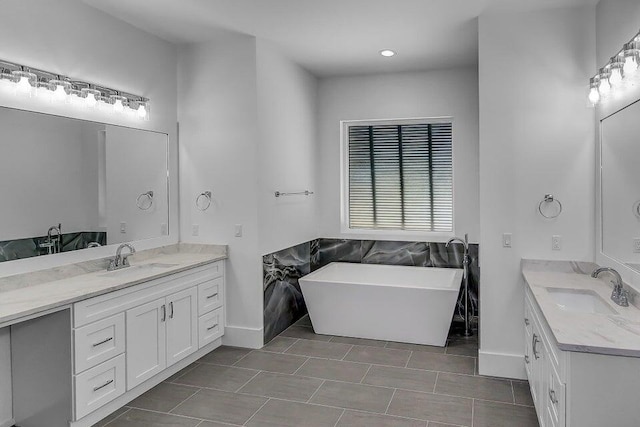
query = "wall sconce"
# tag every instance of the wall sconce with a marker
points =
(31, 82)
(619, 70)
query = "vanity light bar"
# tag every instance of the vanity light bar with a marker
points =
(32, 82)
(618, 72)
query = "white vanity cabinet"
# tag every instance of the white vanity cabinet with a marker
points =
(126, 338)
(577, 389)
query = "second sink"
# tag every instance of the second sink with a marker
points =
(580, 301)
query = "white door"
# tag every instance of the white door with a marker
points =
(146, 342)
(182, 325)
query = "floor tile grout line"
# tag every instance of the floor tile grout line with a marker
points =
(172, 414)
(349, 351)
(339, 418)
(435, 383)
(473, 405)
(316, 392)
(190, 396)
(110, 421)
(406, 365)
(365, 374)
(250, 379)
(292, 344)
(300, 367)
(238, 361)
(193, 366)
(258, 410)
(513, 393)
(386, 411)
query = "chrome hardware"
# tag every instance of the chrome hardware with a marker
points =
(203, 201)
(619, 295)
(211, 327)
(526, 359)
(121, 261)
(552, 397)
(164, 313)
(145, 197)
(466, 260)
(297, 193)
(212, 295)
(103, 385)
(534, 343)
(102, 342)
(53, 243)
(548, 198)
(526, 321)
(171, 310)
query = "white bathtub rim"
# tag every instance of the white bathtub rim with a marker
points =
(457, 277)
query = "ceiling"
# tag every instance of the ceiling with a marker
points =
(332, 37)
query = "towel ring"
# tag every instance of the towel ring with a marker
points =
(145, 197)
(206, 197)
(548, 198)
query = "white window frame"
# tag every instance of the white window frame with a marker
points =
(361, 233)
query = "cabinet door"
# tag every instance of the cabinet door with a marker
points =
(538, 373)
(146, 342)
(182, 325)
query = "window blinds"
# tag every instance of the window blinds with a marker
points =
(401, 177)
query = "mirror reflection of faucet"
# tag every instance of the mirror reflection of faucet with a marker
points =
(53, 243)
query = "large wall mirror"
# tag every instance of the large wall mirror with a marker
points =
(620, 183)
(68, 184)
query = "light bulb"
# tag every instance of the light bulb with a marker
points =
(91, 100)
(604, 87)
(142, 111)
(60, 93)
(387, 52)
(594, 95)
(630, 65)
(616, 76)
(118, 107)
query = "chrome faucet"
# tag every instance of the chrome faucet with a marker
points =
(121, 261)
(54, 244)
(619, 295)
(466, 260)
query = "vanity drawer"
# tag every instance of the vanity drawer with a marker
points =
(210, 295)
(98, 342)
(210, 327)
(99, 386)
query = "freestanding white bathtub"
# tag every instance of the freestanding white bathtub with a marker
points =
(382, 302)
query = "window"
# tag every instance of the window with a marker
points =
(399, 175)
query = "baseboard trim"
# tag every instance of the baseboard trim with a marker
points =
(238, 336)
(8, 423)
(505, 365)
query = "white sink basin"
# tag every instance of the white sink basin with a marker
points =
(580, 301)
(151, 268)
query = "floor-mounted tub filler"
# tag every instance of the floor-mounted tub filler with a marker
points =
(383, 302)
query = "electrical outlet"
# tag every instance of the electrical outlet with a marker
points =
(195, 229)
(556, 242)
(123, 228)
(238, 230)
(506, 240)
(636, 244)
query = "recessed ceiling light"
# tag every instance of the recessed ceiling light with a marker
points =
(387, 52)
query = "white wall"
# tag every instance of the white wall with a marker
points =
(536, 137)
(76, 40)
(401, 95)
(287, 150)
(45, 176)
(219, 152)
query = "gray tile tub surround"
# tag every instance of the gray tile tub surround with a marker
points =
(283, 301)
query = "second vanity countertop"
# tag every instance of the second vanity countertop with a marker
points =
(29, 294)
(611, 334)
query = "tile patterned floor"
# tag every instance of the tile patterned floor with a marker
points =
(304, 379)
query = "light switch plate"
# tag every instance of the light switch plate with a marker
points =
(238, 230)
(506, 240)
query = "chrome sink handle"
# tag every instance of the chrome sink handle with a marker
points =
(121, 261)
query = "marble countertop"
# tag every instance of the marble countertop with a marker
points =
(26, 295)
(611, 334)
